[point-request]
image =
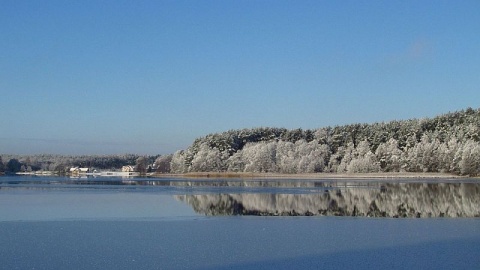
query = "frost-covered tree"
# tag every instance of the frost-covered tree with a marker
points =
(236, 163)
(311, 156)
(335, 162)
(364, 164)
(423, 156)
(141, 165)
(389, 156)
(323, 136)
(362, 159)
(178, 164)
(358, 159)
(447, 160)
(286, 157)
(470, 161)
(346, 155)
(208, 160)
(162, 164)
(260, 157)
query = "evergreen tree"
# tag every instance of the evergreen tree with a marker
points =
(2, 166)
(13, 165)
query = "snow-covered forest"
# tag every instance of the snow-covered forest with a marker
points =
(448, 143)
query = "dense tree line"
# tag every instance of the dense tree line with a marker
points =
(61, 163)
(446, 143)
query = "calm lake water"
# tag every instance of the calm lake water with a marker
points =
(140, 223)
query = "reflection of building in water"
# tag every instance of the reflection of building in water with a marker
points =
(386, 200)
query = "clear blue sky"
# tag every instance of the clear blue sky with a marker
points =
(148, 77)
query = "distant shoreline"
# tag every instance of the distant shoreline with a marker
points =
(307, 176)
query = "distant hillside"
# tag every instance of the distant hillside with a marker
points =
(447, 143)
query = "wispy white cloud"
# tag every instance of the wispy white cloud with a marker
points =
(417, 50)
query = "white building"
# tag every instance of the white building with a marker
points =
(78, 170)
(128, 168)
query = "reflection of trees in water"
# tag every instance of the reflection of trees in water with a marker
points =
(386, 200)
